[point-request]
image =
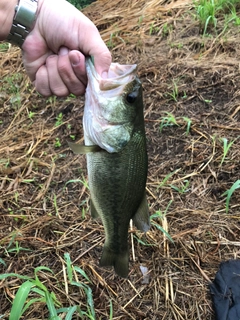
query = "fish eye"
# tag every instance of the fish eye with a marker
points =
(131, 97)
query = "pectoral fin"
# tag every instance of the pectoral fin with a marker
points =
(82, 149)
(141, 217)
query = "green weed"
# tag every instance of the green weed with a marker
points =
(144, 243)
(113, 36)
(208, 101)
(5, 162)
(208, 13)
(31, 115)
(59, 119)
(140, 20)
(72, 136)
(174, 93)
(111, 310)
(229, 193)
(164, 182)
(159, 215)
(83, 181)
(234, 17)
(83, 213)
(166, 29)
(71, 270)
(11, 84)
(183, 188)
(13, 246)
(189, 123)
(3, 262)
(153, 29)
(4, 47)
(15, 100)
(168, 120)
(32, 291)
(51, 100)
(57, 143)
(226, 147)
(31, 286)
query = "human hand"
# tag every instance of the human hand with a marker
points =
(54, 52)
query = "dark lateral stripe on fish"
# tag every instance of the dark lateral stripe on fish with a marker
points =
(82, 149)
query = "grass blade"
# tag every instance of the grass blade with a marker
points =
(90, 301)
(82, 272)
(2, 262)
(20, 300)
(229, 193)
(7, 275)
(70, 313)
(51, 307)
(162, 230)
(32, 301)
(69, 266)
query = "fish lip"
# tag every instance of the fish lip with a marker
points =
(112, 82)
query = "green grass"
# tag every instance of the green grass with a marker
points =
(4, 46)
(158, 215)
(11, 84)
(170, 120)
(57, 143)
(226, 146)
(209, 12)
(33, 291)
(183, 188)
(229, 193)
(59, 119)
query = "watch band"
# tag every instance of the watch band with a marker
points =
(25, 14)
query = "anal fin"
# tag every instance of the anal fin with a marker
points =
(141, 218)
(93, 210)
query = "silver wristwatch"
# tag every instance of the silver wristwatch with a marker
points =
(23, 20)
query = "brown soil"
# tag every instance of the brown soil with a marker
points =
(45, 210)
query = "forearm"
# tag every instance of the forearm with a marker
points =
(6, 17)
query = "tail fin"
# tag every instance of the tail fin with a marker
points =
(118, 260)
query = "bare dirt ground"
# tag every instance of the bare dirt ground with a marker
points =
(44, 199)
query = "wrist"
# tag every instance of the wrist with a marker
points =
(24, 18)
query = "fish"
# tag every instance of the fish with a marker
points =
(117, 161)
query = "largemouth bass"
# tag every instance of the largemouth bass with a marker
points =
(115, 145)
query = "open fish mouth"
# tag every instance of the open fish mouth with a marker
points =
(118, 76)
(108, 115)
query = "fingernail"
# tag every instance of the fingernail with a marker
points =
(75, 60)
(104, 75)
(63, 51)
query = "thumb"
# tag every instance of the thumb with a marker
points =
(102, 62)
